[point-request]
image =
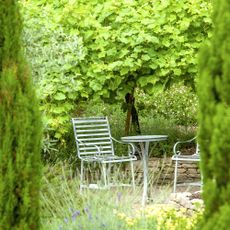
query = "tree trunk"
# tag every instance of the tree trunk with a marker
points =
(132, 120)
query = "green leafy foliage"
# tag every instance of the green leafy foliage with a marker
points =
(54, 57)
(103, 49)
(214, 137)
(137, 43)
(20, 129)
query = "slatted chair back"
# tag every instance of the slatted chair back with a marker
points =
(93, 136)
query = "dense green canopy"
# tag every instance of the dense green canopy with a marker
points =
(143, 44)
(81, 49)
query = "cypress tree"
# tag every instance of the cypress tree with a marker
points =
(20, 128)
(214, 118)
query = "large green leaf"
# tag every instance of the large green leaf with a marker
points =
(60, 96)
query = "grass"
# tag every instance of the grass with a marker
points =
(63, 207)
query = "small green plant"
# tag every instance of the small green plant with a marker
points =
(160, 217)
(59, 195)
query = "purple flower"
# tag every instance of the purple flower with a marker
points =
(86, 209)
(75, 214)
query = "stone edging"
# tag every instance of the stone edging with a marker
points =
(162, 169)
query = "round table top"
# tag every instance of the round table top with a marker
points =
(144, 138)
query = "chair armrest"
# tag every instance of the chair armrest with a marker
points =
(130, 144)
(88, 144)
(175, 151)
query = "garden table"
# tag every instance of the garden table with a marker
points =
(144, 141)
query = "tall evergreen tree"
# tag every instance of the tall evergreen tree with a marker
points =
(20, 128)
(214, 136)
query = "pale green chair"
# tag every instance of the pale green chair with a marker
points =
(179, 156)
(96, 145)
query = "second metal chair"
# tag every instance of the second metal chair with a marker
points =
(180, 157)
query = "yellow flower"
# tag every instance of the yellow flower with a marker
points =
(130, 221)
(121, 215)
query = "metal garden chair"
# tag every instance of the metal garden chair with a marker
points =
(95, 144)
(178, 156)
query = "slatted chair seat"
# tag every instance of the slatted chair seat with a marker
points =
(192, 157)
(107, 159)
(178, 156)
(95, 144)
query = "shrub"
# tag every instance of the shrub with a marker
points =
(214, 137)
(54, 57)
(178, 104)
(160, 216)
(20, 129)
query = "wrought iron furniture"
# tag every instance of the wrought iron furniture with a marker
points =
(178, 156)
(95, 144)
(144, 141)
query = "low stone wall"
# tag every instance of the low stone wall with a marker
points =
(161, 171)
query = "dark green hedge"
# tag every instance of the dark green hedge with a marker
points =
(214, 137)
(20, 129)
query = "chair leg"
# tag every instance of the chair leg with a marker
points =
(108, 174)
(201, 179)
(175, 176)
(132, 172)
(104, 173)
(81, 176)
